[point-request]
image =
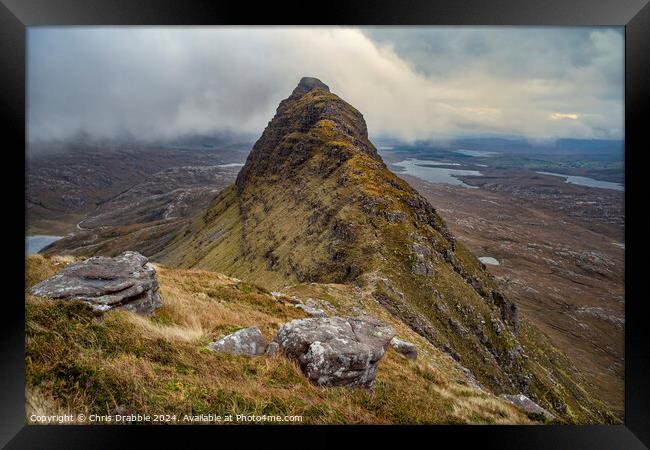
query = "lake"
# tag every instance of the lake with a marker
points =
(476, 153)
(586, 181)
(430, 171)
(33, 244)
(490, 261)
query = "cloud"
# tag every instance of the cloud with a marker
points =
(564, 116)
(410, 83)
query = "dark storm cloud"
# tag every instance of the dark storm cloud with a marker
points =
(411, 83)
(514, 52)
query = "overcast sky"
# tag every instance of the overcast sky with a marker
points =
(409, 82)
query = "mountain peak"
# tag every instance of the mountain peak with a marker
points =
(306, 84)
(311, 122)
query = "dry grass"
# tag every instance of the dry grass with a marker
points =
(39, 267)
(124, 363)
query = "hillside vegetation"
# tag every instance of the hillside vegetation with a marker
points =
(124, 363)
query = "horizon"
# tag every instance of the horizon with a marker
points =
(412, 84)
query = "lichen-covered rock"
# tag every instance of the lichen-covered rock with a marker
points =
(247, 341)
(272, 348)
(422, 264)
(527, 405)
(124, 282)
(336, 351)
(314, 312)
(408, 350)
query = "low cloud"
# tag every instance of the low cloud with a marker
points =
(410, 83)
(564, 116)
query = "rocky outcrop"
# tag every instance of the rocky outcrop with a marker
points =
(528, 406)
(311, 311)
(408, 350)
(422, 264)
(336, 351)
(248, 341)
(124, 282)
(284, 145)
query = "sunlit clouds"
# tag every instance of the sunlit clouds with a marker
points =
(564, 116)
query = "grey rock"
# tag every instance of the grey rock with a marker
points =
(124, 282)
(308, 83)
(527, 405)
(272, 348)
(469, 376)
(422, 264)
(482, 337)
(458, 327)
(410, 351)
(450, 351)
(247, 341)
(393, 216)
(336, 351)
(509, 312)
(314, 312)
(498, 326)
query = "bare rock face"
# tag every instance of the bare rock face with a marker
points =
(336, 351)
(248, 341)
(291, 137)
(123, 282)
(408, 350)
(528, 406)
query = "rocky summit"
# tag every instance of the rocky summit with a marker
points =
(124, 282)
(311, 121)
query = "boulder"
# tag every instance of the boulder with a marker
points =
(336, 351)
(272, 348)
(311, 311)
(408, 350)
(124, 282)
(248, 341)
(527, 405)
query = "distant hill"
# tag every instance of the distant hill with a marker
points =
(69, 182)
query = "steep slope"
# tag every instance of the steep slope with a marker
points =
(316, 204)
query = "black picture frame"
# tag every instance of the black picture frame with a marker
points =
(16, 15)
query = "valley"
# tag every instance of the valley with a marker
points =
(559, 246)
(82, 185)
(562, 266)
